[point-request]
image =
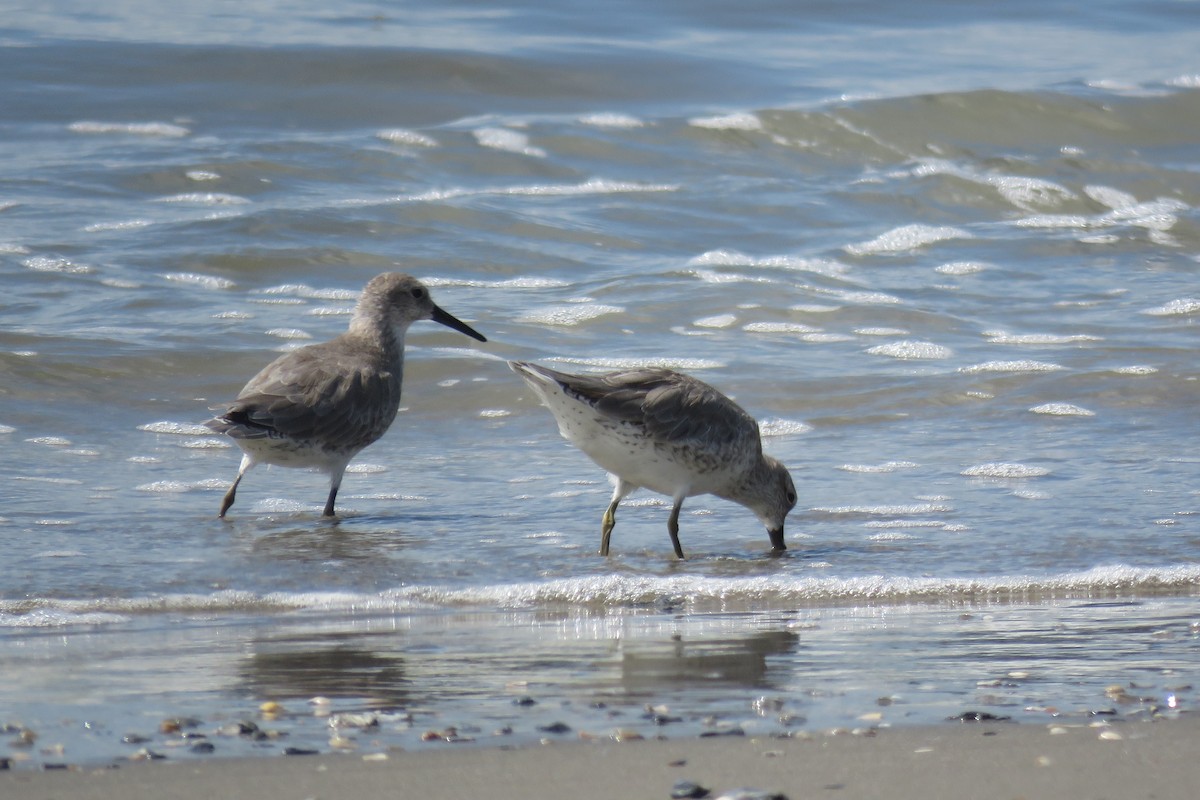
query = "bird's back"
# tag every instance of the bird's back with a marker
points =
(671, 416)
(339, 396)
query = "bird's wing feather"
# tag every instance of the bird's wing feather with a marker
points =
(669, 406)
(317, 392)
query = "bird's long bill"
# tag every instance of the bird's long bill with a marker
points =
(776, 535)
(451, 321)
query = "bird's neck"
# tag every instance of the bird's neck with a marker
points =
(375, 328)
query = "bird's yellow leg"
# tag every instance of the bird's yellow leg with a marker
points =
(607, 524)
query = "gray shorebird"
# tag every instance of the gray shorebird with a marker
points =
(670, 433)
(318, 406)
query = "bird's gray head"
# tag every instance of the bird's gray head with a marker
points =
(773, 497)
(398, 300)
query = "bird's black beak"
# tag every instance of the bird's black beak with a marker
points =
(451, 321)
(777, 539)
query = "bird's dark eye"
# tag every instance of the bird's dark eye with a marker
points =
(791, 498)
(418, 293)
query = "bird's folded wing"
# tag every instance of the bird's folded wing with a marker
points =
(671, 407)
(304, 395)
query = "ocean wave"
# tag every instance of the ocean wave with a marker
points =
(738, 121)
(568, 315)
(906, 238)
(406, 137)
(163, 129)
(909, 350)
(632, 592)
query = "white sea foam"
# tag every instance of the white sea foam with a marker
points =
(826, 338)
(886, 467)
(890, 536)
(717, 321)
(165, 487)
(611, 120)
(1003, 337)
(365, 469)
(507, 140)
(961, 268)
(204, 199)
(589, 187)
(1062, 410)
(881, 331)
(289, 333)
(1028, 193)
(1175, 308)
(404, 136)
(56, 618)
(1108, 196)
(740, 121)
(889, 510)
(775, 426)
(909, 350)
(861, 298)
(1023, 365)
(639, 363)
(123, 225)
(1056, 221)
(733, 258)
(308, 292)
(715, 276)
(616, 590)
(50, 441)
(47, 479)
(778, 327)
(613, 591)
(907, 238)
(209, 443)
(520, 282)
(1004, 470)
(48, 264)
(163, 129)
(175, 428)
(569, 315)
(1158, 215)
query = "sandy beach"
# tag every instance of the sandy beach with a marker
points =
(978, 760)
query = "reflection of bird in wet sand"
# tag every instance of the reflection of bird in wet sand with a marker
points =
(318, 406)
(668, 432)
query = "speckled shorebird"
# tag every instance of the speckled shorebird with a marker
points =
(668, 432)
(318, 406)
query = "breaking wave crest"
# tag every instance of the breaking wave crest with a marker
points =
(617, 592)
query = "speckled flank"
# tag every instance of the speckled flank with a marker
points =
(667, 432)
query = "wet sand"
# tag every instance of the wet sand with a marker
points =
(978, 760)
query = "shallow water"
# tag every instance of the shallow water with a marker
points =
(945, 257)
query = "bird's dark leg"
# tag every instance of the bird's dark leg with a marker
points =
(335, 482)
(607, 524)
(673, 526)
(231, 495)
